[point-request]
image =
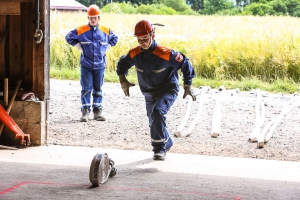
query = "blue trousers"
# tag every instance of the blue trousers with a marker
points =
(91, 81)
(156, 110)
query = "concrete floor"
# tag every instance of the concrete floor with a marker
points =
(62, 172)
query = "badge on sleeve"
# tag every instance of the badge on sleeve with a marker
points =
(179, 57)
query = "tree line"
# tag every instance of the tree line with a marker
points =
(201, 7)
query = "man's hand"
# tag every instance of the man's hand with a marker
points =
(125, 84)
(189, 91)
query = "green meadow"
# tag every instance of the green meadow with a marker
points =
(245, 52)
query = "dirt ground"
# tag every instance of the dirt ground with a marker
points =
(126, 125)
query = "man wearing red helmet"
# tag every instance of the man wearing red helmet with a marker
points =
(157, 71)
(93, 41)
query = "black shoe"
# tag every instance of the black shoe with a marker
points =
(97, 114)
(85, 115)
(159, 155)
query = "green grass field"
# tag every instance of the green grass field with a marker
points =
(236, 51)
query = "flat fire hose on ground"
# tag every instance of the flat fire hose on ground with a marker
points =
(101, 168)
(11, 125)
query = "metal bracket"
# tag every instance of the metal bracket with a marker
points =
(38, 36)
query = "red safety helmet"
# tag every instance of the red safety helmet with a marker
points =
(144, 27)
(93, 11)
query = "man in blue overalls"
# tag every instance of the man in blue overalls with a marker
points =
(93, 41)
(157, 71)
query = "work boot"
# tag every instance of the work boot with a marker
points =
(85, 115)
(159, 155)
(97, 114)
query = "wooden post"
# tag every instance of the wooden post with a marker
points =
(13, 97)
(5, 93)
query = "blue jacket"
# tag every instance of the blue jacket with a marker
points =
(94, 42)
(157, 69)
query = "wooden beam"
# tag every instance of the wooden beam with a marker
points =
(41, 56)
(10, 8)
(46, 19)
(14, 58)
(5, 94)
(27, 43)
(9, 1)
(46, 98)
(13, 97)
(3, 33)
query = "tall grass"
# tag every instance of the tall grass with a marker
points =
(221, 49)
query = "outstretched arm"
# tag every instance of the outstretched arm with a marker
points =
(124, 64)
(125, 84)
(183, 63)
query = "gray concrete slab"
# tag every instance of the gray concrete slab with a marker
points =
(62, 172)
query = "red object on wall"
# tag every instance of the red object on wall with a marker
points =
(12, 126)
